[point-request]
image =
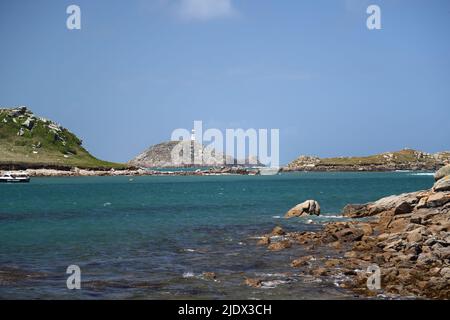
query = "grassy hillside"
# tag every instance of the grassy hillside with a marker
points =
(29, 141)
(406, 158)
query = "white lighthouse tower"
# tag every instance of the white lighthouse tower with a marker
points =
(192, 147)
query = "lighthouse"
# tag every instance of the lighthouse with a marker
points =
(192, 147)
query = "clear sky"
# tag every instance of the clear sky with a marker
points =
(139, 69)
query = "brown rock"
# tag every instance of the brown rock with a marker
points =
(302, 261)
(349, 234)
(442, 172)
(264, 241)
(442, 185)
(403, 207)
(320, 272)
(416, 235)
(280, 245)
(209, 275)
(278, 231)
(309, 207)
(355, 210)
(331, 263)
(253, 282)
(438, 199)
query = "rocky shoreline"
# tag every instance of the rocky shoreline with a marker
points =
(406, 236)
(406, 159)
(77, 172)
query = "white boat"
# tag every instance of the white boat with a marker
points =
(268, 171)
(9, 177)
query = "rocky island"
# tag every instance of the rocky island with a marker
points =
(28, 141)
(406, 236)
(37, 146)
(406, 159)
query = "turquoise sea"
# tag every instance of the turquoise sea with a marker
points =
(153, 237)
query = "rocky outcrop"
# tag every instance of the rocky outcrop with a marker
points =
(30, 141)
(442, 184)
(309, 207)
(405, 237)
(403, 203)
(178, 154)
(406, 159)
(442, 172)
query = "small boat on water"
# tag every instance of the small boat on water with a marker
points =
(9, 177)
(268, 171)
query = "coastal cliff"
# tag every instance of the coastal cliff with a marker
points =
(406, 159)
(28, 141)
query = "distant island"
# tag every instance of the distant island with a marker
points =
(31, 142)
(406, 159)
(42, 147)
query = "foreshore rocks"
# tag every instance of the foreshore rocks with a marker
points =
(309, 207)
(406, 236)
(77, 172)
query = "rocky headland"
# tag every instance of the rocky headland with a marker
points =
(28, 141)
(406, 236)
(406, 159)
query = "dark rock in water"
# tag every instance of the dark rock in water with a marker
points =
(209, 275)
(280, 245)
(309, 207)
(303, 261)
(253, 282)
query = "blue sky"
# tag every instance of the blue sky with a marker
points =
(139, 69)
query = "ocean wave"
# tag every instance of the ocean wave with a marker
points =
(422, 174)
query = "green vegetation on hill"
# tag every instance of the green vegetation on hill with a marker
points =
(29, 141)
(403, 159)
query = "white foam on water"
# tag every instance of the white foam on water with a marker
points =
(276, 217)
(270, 284)
(188, 274)
(333, 216)
(422, 174)
(260, 274)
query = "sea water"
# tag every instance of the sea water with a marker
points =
(153, 237)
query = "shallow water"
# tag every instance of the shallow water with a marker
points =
(153, 237)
